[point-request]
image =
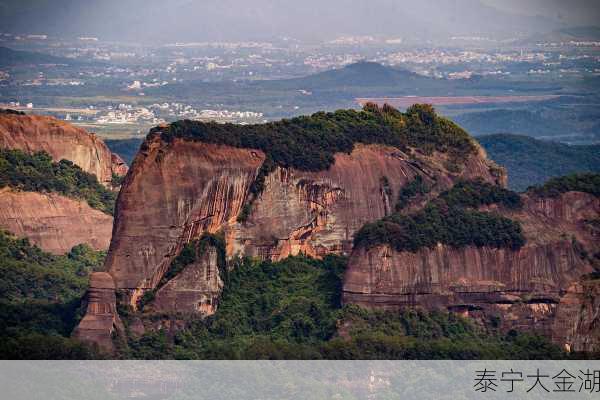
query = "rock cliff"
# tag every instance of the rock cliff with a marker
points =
(534, 288)
(53, 222)
(179, 190)
(191, 179)
(32, 133)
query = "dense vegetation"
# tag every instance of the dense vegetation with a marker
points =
(586, 182)
(38, 173)
(450, 219)
(40, 299)
(531, 162)
(414, 188)
(291, 310)
(310, 142)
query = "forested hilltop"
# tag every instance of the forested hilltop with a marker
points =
(309, 143)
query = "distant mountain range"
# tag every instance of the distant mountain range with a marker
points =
(524, 122)
(531, 162)
(358, 75)
(577, 34)
(10, 58)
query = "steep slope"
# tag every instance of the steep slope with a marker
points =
(522, 285)
(34, 133)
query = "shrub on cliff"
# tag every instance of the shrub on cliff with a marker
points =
(451, 219)
(38, 173)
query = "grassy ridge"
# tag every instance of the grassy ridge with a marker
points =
(586, 182)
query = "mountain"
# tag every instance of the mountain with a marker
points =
(13, 58)
(402, 195)
(576, 34)
(187, 20)
(358, 75)
(455, 255)
(531, 162)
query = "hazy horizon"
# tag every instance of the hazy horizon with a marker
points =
(153, 21)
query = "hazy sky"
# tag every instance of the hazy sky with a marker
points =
(158, 21)
(579, 12)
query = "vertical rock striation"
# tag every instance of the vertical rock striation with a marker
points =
(525, 288)
(179, 190)
(101, 321)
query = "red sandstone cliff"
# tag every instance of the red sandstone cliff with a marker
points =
(61, 140)
(176, 191)
(526, 288)
(53, 222)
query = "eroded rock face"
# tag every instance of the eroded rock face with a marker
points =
(32, 133)
(53, 222)
(177, 191)
(172, 195)
(101, 321)
(577, 323)
(524, 287)
(195, 290)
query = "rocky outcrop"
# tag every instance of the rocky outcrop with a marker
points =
(32, 133)
(577, 323)
(176, 191)
(525, 288)
(53, 222)
(101, 321)
(195, 290)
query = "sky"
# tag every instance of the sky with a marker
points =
(572, 12)
(164, 21)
